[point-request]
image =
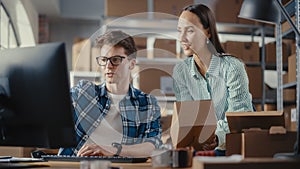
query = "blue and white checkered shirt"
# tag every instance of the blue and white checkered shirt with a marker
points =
(140, 115)
(225, 83)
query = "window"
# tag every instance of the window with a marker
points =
(8, 37)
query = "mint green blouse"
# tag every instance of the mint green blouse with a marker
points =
(225, 83)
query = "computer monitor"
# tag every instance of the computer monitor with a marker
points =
(35, 104)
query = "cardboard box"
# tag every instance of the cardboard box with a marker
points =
(285, 26)
(267, 107)
(239, 121)
(290, 119)
(258, 134)
(255, 81)
(247, 51)
(293, 126)
(228, 11)
(95, 52)
(292, 68)
(119, 8)
(140, 43)
(289, 95)
(173, 7)
(193, 123)
(154, 78)
(259, 143)
(270, 54)
(81, 55)
(16, 151)
(165, 48)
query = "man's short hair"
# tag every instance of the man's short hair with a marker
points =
(117, 38)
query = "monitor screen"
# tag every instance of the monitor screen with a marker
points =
(35, 104)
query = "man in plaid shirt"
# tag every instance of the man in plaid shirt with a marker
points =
(114, 118)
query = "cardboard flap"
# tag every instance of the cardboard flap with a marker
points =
(238, 121)
(194, 113)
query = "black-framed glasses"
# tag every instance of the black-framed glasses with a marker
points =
(114, 60)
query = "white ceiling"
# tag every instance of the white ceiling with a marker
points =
(75, 9)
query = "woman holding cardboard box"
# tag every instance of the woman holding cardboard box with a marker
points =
(209, 73)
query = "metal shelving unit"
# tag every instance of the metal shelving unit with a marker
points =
(292, 8)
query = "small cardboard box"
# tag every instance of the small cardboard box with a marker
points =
(193, 123)
(257, 134)
(259, 143)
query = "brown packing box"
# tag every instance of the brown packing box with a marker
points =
(16, 151)
(155, 78)
(95, 52)
(289, 95)
(290, 121)
(193, 123)
(119, 8)
(238, 121)
(81, 53)
(255, 81)
(164, 48)
(172, 7)
(270, 54)
(285, 26)
(259, 143)
(247, 51)
(228, 11)
(292, 68)
(267, 107)
(251, 134)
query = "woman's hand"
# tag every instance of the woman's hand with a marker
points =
(96, 150)
(211, 143)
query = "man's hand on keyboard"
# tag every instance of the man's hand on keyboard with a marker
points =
(96, 150)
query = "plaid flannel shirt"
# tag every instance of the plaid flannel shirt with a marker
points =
(140, 115)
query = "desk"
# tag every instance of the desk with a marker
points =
(251, 163)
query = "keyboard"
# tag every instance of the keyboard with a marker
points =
(113, 159)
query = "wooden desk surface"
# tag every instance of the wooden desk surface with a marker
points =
(249, 163)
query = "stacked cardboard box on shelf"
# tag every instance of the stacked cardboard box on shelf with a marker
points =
(119, 8)
(255, 81)
(247, 51)
(292, 68)
(165, 48)
(270, 55)
(81, 54)
(154, 78)
(228, 11)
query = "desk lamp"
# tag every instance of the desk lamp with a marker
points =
(269, 11)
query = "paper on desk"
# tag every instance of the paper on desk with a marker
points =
(218, 159)
(17, 159)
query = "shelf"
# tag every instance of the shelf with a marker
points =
(244, 29)
(290, 8)
(289, 85)
(170, 61)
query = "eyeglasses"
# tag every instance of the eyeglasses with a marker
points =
(114, 60)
